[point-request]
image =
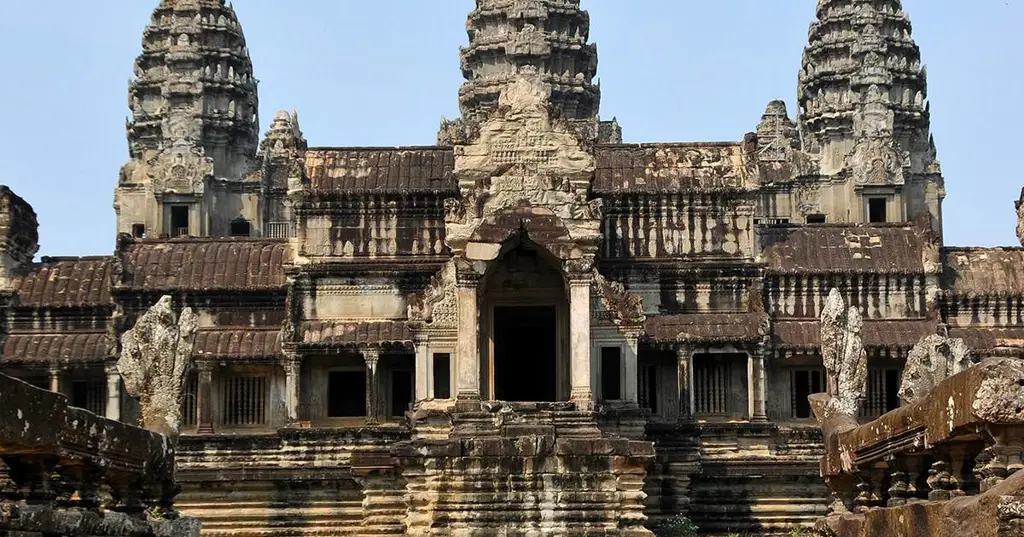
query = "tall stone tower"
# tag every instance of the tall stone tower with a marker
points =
(544, 37)
(863, 113)
(193, 135)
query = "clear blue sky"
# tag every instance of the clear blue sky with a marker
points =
(383, 72)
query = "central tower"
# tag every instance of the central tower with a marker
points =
(546, 38)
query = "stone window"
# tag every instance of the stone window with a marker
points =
(611, 373)
(401, 392)
(648, 387)
(442, 375)
(280, 230)
(189, 400)
(883, 385)
(89, 394)
(179, 221)
(139, 231)
(815, 219)
(719, 384)
(240, 228)
(245, 400)
(877, 210)
(805, 382)
(346, 394)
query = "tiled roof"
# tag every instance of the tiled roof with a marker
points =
(983, 271)
(206, 264)
(66, 282)
(843, 248)
(347, 333)
(705, 327)
(695, 167)
(86, 346)
(237, 343)
(984, 338)
(904, 333)
(381, 170)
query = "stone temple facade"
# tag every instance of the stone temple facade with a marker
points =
(531, 327)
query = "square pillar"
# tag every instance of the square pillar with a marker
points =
(684, 375)
(113, 393)
(371, 356)
(292, 377)
(423, 376)
(629, 368)
(755, 384)
(204, 399)
(468, 369)
(582, 392)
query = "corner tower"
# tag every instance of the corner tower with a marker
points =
(548, 38)
(194, 130)
(863, 113)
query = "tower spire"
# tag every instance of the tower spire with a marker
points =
(194, 86)
(546, 38)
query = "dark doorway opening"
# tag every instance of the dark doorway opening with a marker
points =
(401, 392)
(240, 228)
(524, 353)
(346, 394)
(442, 376)
(876, 210)
(179, 220)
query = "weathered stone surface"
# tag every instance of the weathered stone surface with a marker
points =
(155, 354)
(842, 353)
(934, 359)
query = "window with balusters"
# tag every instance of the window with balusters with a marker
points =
(719, 386)
(882, 391)
(189, 400)
(805, 382)
(90, 394)
(245, 400)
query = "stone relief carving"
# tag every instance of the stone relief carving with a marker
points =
(437, 305)
(877, 161)
(155, 355)
(807, 198)
(842, 353)
(521, 157)
(934, 359)
(626, 308)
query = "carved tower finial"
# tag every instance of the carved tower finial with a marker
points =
(1019, 204)
(155, 355)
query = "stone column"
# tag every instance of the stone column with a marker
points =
(371, 356)
(204, 399)
(755, 384)
(292, 392)
(113, 393)
(629, 370)
(54, 379)
(684, 380)
(423, 376)
(582, 392)
(467, 379)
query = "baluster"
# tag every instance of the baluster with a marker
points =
(899, 489)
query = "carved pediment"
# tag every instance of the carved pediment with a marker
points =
(180, 171)
(878, 162)
(437, 305)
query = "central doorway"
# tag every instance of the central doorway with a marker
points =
(525, 352)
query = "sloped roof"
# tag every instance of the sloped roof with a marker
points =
(66, 282)
(971, 272)
(355, 333)
(381, 170)
(690, 167)
(83, 346)
(877, 248)
(903, 333)
(705, 327)
(983, 338)
(237, 343)
(206, 264)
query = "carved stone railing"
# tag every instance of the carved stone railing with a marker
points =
(943, 457)
(67, 471)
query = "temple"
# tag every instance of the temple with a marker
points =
(630, 330)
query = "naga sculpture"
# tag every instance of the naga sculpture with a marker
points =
(842, 353)
(1019, 204)
(155, 355)
(934, 359)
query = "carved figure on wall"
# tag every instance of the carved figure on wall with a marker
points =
(155, 355)
(842, 353)
(934, 359)
(626, 308)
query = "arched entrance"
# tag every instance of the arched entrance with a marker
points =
(525, 326)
